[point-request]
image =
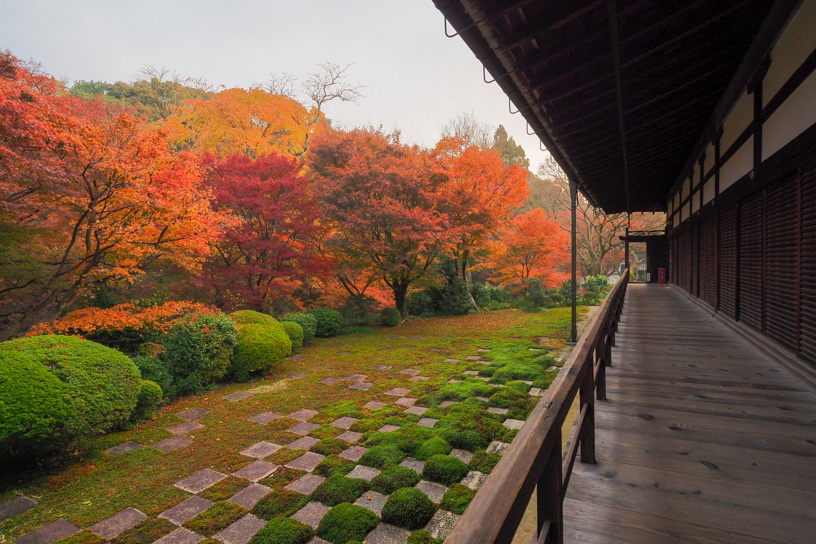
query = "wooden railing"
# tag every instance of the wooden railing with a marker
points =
(535, 459)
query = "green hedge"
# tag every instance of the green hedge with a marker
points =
(391, 317)
(295, 334)
(56, 389)
(308, 323)
(329, 322)
(259, 348)
(251, 317)
(147, 404)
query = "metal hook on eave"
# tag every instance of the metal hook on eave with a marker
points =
(510, 107)
(533, 133)
(541, 146)
(484, 75)
(456, 33)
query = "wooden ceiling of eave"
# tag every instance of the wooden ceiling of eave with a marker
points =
(676, 59)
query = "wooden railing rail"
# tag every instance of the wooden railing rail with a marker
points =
(535, 459)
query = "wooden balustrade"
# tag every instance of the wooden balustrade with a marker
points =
(535, 459)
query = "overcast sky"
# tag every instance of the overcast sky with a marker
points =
(415, 79)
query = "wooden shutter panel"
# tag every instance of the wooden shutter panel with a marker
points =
(781, 259)
(807, 244)
(728, 262)
(750, 261)
(708, 244)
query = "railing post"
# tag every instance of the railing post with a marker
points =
(600, 380)
(548, 497)
(586, 433)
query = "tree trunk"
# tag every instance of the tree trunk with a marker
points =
(400, 290)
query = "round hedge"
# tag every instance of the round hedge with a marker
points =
(251, 317)
(391, 317)
(328, 322)
(295, 334)
(308, 323)
(346, 522)
(444, 469)
(56, 389)
(283, 530)
(259, 348)
(147, 403)
(408, 507)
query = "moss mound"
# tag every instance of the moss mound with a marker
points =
(392, 478)
(457, 498)
(338, 489)
(279, 502)
(283, 530)
(217, 518)
(409, 508)
(444, 469)
(346, 522)
(433, 446)
(379, 456)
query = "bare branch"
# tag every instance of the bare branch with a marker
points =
(466, 127)
(282, 83)
(329, 83)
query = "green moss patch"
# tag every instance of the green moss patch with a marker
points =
(224, 489)
(333, 465)
(150, 530)
(432, 446)
(279, 502)
(283, 530)
(338, 489)
(394, 477)
(282, 477)
(444, 469)
(217, 518)
(409, 508)
(346, 522)
(457, 498)
(379, 456)
(421, 537)
(484, 462)
(83, 537)
(329, 446)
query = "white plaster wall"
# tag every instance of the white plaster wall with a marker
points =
(793, 117)
(797, 41)
(738, 165)
(708, 191)
(708, 164)
(695, 202)
(737, 120)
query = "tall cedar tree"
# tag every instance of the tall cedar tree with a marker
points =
(271, 245)
(88, 194)
(381, 198)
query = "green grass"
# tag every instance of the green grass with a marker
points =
(92, 486)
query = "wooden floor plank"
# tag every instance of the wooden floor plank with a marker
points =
(703, 439)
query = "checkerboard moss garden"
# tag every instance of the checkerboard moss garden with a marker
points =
(392, 460)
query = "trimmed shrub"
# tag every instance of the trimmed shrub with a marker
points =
(217, 518)
(251, 317)
(283, 530)
(55, 390)
(444, 469)
(455, 298)
(360, 310)
(408, 507)
(391, 317)
(457, 498)
(433, 446)
(308, 323)
(392, 478)
(197, 352)
(155, 370)
(147, 403)
(422, 303)
(379, 456)
(259, 348)
(295, 334)
(279, 502)
(347, 522)
(337, 488)
(328, 322)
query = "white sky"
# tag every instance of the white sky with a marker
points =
(415, 79)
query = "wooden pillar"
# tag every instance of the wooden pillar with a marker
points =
(574, 271)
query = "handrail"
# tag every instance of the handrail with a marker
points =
(535, 458)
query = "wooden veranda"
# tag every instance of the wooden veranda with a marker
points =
(702, 437)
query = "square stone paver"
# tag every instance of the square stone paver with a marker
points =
(56, 530)
(186, 510)
(483, 399)
(497, 447)
(16, 507)
(382, 367)
(483, 350)
(513, 423)
(498, 411)
(463, 455)
(303, 443)
(473, 357)
(482, 362)
(265, 417)
(442, 523)
(483, 378)
(311, 514)
(298, 376)
(124, 447)
(406, 401)
(434, 491)
(318, 540)
(362, 386)
(344, 422)
(387, 534)
(371, 500)
(387, 428)
(185, 428)
(363, 472)
(426, 422)
(525, 382)
(353, 453)
(242, 530)
(260, 450)
(235, 397)
(308, 461)
(180, 536)
(474, 479)
(201, 480)
(172, 444)
(373, 405)
(447, 403)
(411, 371)
(471, 372)
(304, 427)
(256, 470)
(454, 381)
(357, 378)
(414, 464)
(302, 415)
(330, 381)
(536, 392)
(193, 413)
(117, 523)
(306, 484)
(419, 379)
(349, 436)
(397, 392)
(416, 410)
(451, 360)
(248, 496)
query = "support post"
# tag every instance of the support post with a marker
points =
(626, 249)
(573, 339)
